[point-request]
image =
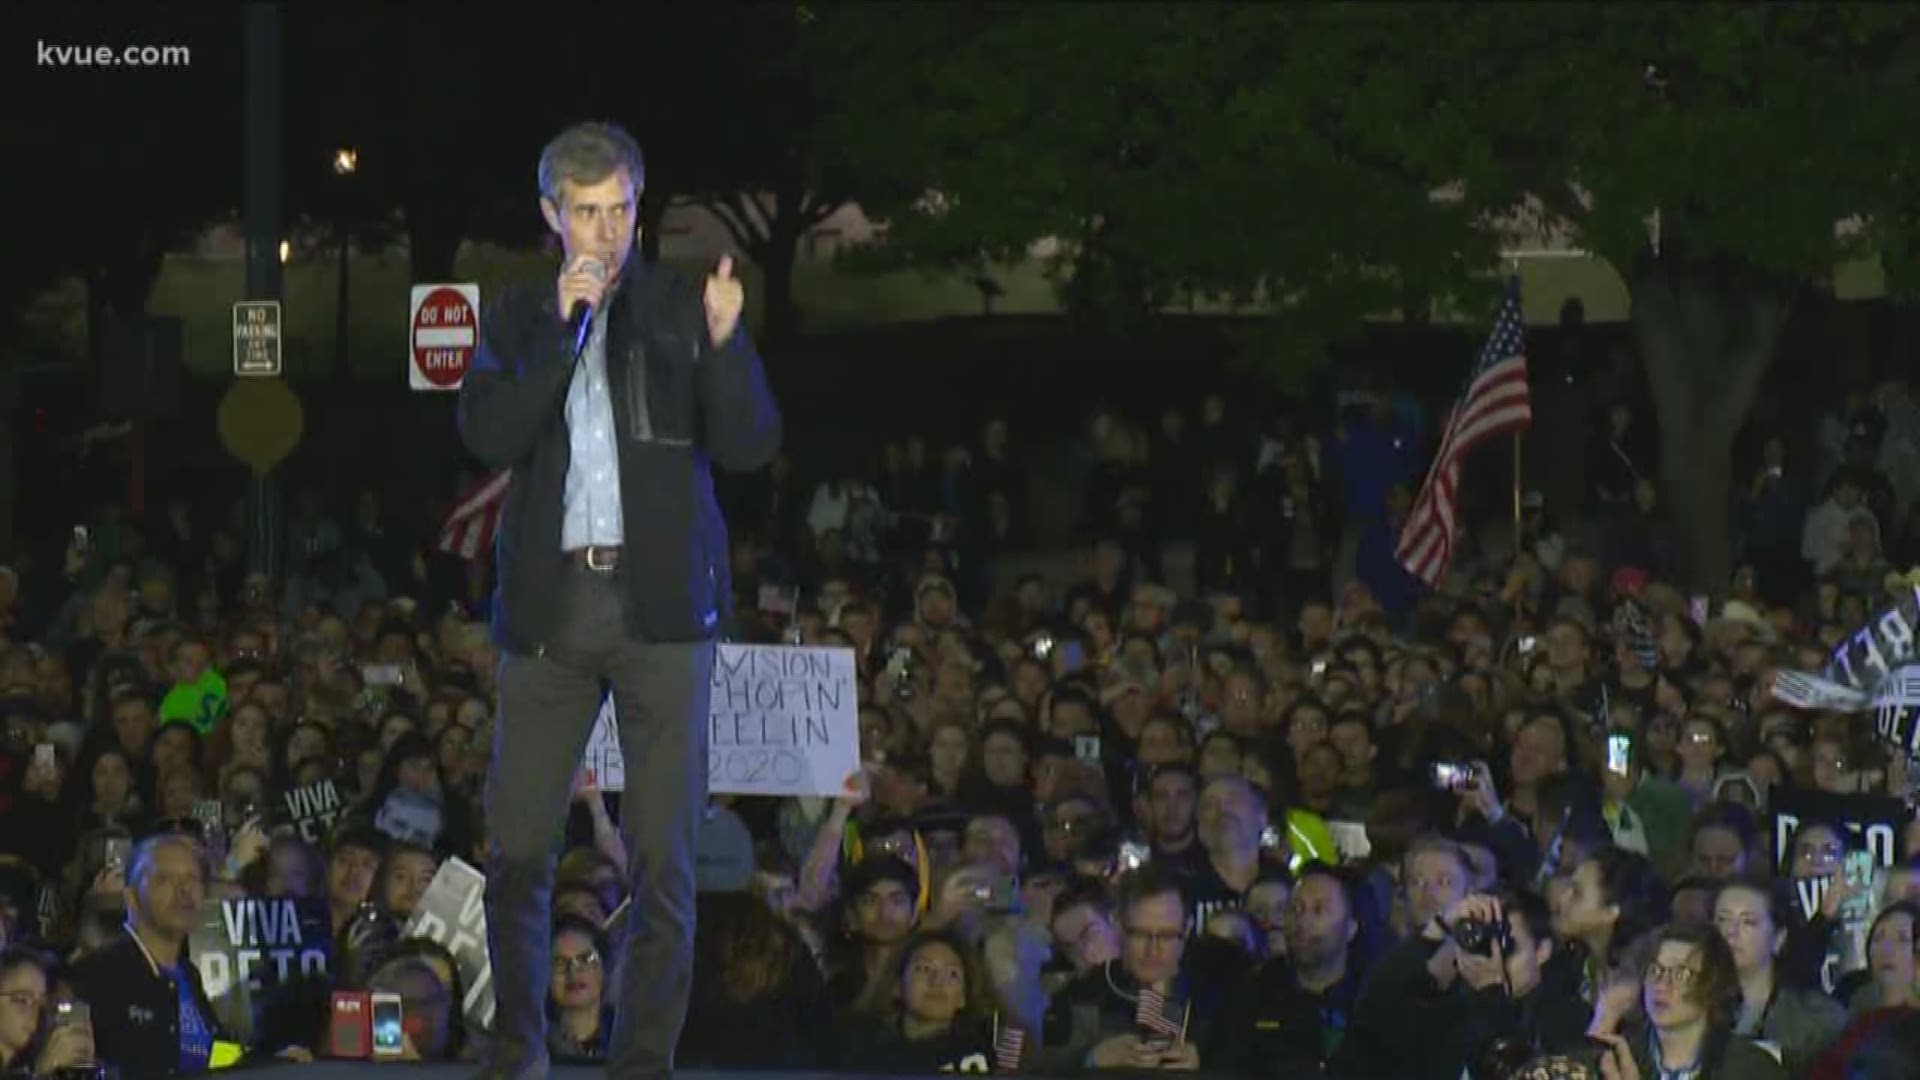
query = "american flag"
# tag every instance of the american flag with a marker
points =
(1495, 402)
(1150, 1012)
(1008, 1042)
(469, 528)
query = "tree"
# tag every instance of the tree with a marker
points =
(770, 143)
(1334, 162)
(1724, 160)
(105, 177)
(1161, 153)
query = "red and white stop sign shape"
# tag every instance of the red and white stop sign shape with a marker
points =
(445, 331)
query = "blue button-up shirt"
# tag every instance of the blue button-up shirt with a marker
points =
(592, 514)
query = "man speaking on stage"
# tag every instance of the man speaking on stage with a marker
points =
(607, 393)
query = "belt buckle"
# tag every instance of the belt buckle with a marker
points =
(595, 566)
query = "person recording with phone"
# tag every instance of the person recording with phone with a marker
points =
(610, 395)
(1645, 814)
(41, 1033)
(1142, 1010)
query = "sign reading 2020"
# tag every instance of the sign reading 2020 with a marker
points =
(781, 720)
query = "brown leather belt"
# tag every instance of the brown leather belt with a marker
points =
(600, 560)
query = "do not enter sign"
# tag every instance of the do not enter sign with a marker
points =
(445, 330)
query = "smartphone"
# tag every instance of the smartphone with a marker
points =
(117, 850)
(1087, 748)
(1133, 855)
(71, 1014)
(1527, 644)
(81, 539)
(1857, 870)
(1452, 775)
(1619, 754)
(1319, 667)
(1270, 838)
(1697, 610)
(388, 1040)
(1153, 1042)
(45, 758)
(381, 674)
(1073, 656)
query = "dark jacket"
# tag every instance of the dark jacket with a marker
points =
(680, 405)
(1273, 1027)
(1103, 1003)
(876, 1045)
(1728, 1057)
(136, 1010)
(1415, 1029)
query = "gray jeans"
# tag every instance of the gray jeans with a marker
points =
(548, 704)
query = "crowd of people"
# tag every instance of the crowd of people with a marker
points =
(1299, 817)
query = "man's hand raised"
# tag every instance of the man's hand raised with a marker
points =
(724, 298)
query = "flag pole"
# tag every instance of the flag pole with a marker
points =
(1516, 493)
(1513, 268)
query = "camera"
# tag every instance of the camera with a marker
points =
(1478, 936)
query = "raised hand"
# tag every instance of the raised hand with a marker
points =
(724, 298)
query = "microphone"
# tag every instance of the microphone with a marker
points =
(580, 319)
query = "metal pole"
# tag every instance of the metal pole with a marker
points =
(340, 372)
(263, 190)
(1517, 535)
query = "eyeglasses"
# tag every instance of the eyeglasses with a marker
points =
(24, 1000)
(586, 961)
(1679, 976)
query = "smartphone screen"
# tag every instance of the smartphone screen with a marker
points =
(1697, 610)
(117, 850)
(1073, 656)
(69, 1013)
(1087, 748)
(1619, 751)
(1451, 776)
(387, 1038)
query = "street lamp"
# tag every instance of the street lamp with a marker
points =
(346, 162)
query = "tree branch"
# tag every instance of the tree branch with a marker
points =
(815, 210)
(742, 233)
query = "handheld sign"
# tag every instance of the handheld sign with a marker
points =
(445, 330)
(311, 810)
(246, 948)
(781, 720)
(1871, 652)
(453, 912)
